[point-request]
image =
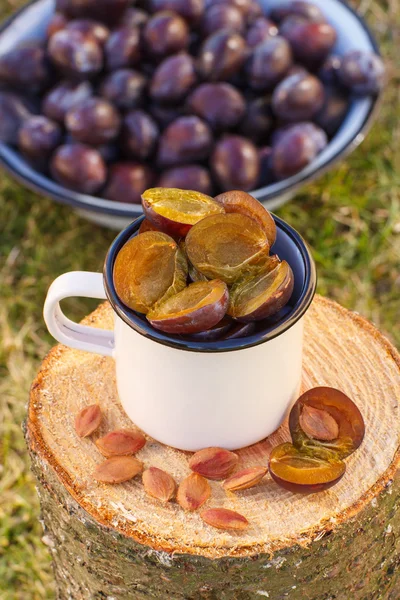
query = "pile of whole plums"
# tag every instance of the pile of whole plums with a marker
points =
(201, 266)
(209, 95)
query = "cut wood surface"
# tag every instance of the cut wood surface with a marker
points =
(341, 350)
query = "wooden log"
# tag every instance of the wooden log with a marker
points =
(115, 542)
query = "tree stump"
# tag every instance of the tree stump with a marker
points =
(115, 542)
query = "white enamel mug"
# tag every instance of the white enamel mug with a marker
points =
(192, 394)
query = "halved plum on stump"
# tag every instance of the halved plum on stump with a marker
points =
(198, 307)
(304, 473)
(237, 201)
(223, 246)
(175, 211)
(261, 295)
(325, 421)
(150, 267)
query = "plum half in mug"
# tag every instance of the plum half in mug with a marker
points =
(262, 293)
(64, 96)
(125, 88)
(38, 138)
(187, 177)
(303, 473)
(76, 54)
(25, 67)
(269, 63)
(127, 181)
(298, 97)
(222, 55)
(165, 33)
(220, 104)
(326, 423)
(173, 78)
(240, 202)
(186, 140)
(175, 211)
(235, 164)
(139, 135)
(197, 308)
(94, 121)
(79, 167)
(149, 267)
(225, 246)
(122, 48)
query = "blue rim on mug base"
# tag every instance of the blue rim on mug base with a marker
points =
(301, 263)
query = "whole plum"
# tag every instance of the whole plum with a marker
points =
(258, 121)
(94, 121)
(220, 104)
(308, 10)
(107, 11)
(235, 163)
(25, 67)
(190, 10)
(269, 63)
(311, 42)
(122, 48)
(89, 27)
(79, 167)
(222, 55)
(329, 71)
(14, 110)
(298, 97)
(139, 135)
(334, 110)
(38, 137)
(127, 181)
(222, 16)
(186, 140)
(261, 30)
(64, 96)
(76, 54)
(266, 176)
(295, 149)
(165, 33)
(125, 88)
(187, 177)
(173, 78)
(362, 72)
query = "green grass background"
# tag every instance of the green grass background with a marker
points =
(351, 218)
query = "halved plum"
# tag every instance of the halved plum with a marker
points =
(224, 246)
(147, 225)
(304, 473)
(324, 421)
(149, 268)
(263, 293)
(237, 201)
(198, 307)
(175, 211)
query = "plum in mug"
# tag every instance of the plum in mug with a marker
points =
(193, 394)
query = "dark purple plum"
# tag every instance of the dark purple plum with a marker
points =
(329, 71)
(94, 121)
(235, 164)
(334, 110)
(76, 54)
(38, 137)
(308, 10)
(139, 135)
(125, 88)
(186, 140)
(314, 131)
(298, 97)
(311, 42)
(107, 11)
(187, 177)
(134, 17)
(222, 55)
(222, 16)
(296, 148)
(122, 48)
(127, 181)
(25, 68)
(57, 22)
(261, 30)
(362, 72)
(164, 114)
(14, 110)
(190, 10)
(173, 78)
(79, 167)
(109, 152)
(269, 63)
(90, 27)
(266, 175)
(64, 96)
(220, 104)
(258, 121)
(165, 33)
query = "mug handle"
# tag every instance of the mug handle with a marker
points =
(69, 333)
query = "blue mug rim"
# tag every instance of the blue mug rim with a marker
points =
(139, 324)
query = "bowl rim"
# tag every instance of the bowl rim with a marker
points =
(141, 326)
(43, 185)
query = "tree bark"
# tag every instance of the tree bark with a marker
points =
(115, 542)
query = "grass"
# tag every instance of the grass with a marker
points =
(351, 218)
